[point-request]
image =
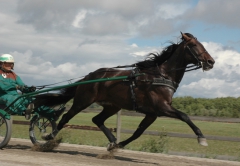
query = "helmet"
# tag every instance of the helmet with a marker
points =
(6, 58)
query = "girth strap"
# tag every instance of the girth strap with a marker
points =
(132, 81)
(165, 82)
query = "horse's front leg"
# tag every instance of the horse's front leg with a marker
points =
(174, 113)
(145, 123)
(201, 139)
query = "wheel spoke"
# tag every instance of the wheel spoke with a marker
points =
(40, 126)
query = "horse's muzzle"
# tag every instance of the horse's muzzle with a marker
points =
(208, 65)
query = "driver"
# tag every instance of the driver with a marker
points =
(10, 83)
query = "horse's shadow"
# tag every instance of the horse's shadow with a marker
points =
(70, 152)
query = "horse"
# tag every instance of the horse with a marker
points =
(150, 93)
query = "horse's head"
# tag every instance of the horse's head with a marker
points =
(197, 54)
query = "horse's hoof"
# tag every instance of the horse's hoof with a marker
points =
(202, 141)
(111, 146)
(47, 137)
(120, 146)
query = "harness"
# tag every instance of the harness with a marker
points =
(165, 82)
(132, 80)
(132, 84)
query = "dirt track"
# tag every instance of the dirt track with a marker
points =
(19, 153)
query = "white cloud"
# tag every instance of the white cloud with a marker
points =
(211, 88)
(227, 61)
(134, 45)
(139, 53)
(221, 81)
(171, 10)
(207, 84)
(216, 12)
(79, 18)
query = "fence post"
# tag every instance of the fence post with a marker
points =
(118, 125)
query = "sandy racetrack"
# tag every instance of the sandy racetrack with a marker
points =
(19, 153)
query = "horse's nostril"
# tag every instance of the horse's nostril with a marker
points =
(210, 62)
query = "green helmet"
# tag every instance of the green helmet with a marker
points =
(6, 58)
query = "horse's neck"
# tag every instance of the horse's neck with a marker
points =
(176, 61)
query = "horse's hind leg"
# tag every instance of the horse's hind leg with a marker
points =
(108, 111)
(75, 109)
(69, 115)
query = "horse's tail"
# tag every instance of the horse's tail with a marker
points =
(54, 99)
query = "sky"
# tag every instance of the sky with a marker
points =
(54, 41)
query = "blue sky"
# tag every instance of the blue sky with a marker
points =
(52, 42)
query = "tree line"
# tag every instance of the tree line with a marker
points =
(216, 107)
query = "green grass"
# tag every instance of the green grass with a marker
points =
(97, 138)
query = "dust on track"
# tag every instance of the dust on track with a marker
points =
(19, 152)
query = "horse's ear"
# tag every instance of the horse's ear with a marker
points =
(185, 37)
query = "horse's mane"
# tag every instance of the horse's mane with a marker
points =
(156, 59)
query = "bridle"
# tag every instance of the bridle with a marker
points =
(194, 55)
(199, 63)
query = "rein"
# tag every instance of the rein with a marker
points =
(189, 68)
(196, 67)
(50, 85)
(133, 65)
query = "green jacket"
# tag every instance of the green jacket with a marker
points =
(8, 82)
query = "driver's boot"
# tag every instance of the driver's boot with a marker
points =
(29, 111)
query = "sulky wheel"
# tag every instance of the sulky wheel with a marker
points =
(40, 126)
(5, 130)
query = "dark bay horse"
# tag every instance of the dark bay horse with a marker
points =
(150, 94)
